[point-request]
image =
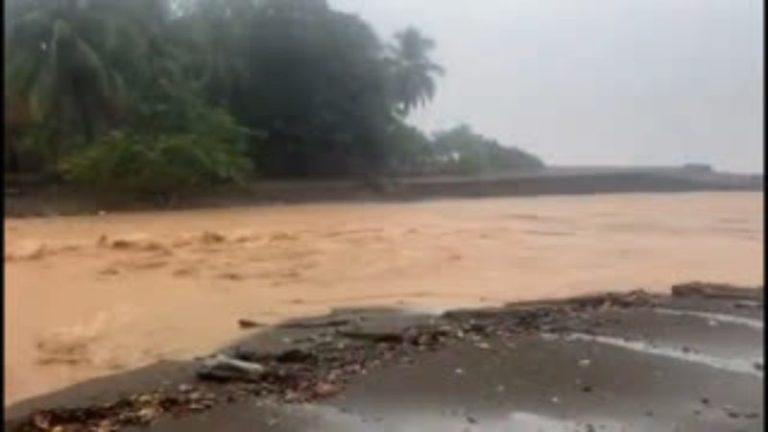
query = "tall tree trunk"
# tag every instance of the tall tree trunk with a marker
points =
(12, 155)
(87, 122)
(82, 107)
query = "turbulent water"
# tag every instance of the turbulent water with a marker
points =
(92, 295)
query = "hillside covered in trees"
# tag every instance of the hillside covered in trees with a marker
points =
(158, 96)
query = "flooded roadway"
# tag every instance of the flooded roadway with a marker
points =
(639, 369)
(633, 362)
(89, 296)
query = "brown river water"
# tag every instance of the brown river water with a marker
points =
(91, 295)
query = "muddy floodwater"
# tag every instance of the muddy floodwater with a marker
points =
(91, 295)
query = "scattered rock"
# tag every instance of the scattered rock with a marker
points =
(731, 412)
(320, 368)
(148, 414)
(309, 324)
(376, 337)
(223, 368)
(296, 356)
(326, 389)
(745, 304)
(42, 421)
(716, 290)
(483, 345)
(106, 426)
(185, 388)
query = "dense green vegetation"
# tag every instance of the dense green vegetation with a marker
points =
(158, 96)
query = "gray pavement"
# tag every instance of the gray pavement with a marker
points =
(682, 364)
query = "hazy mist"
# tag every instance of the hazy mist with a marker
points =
(641, 82)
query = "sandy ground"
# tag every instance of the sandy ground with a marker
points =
(89, 296)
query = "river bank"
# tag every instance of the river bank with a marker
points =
(22, 200)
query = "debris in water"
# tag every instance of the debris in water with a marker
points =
(246, 323)
(231, 276)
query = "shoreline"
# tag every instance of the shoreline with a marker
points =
(65, 200)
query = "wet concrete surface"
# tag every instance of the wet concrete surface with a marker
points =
(688, 364)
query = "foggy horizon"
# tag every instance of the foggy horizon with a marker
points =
(595, 83)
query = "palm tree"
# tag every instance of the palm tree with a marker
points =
(213, 36)
(56, 64)
(413, 71)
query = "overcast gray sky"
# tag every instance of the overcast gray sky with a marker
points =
(621, 82)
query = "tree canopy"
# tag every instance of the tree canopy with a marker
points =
(293, 87)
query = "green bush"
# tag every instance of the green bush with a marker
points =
(205, 149)
(161, 165)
